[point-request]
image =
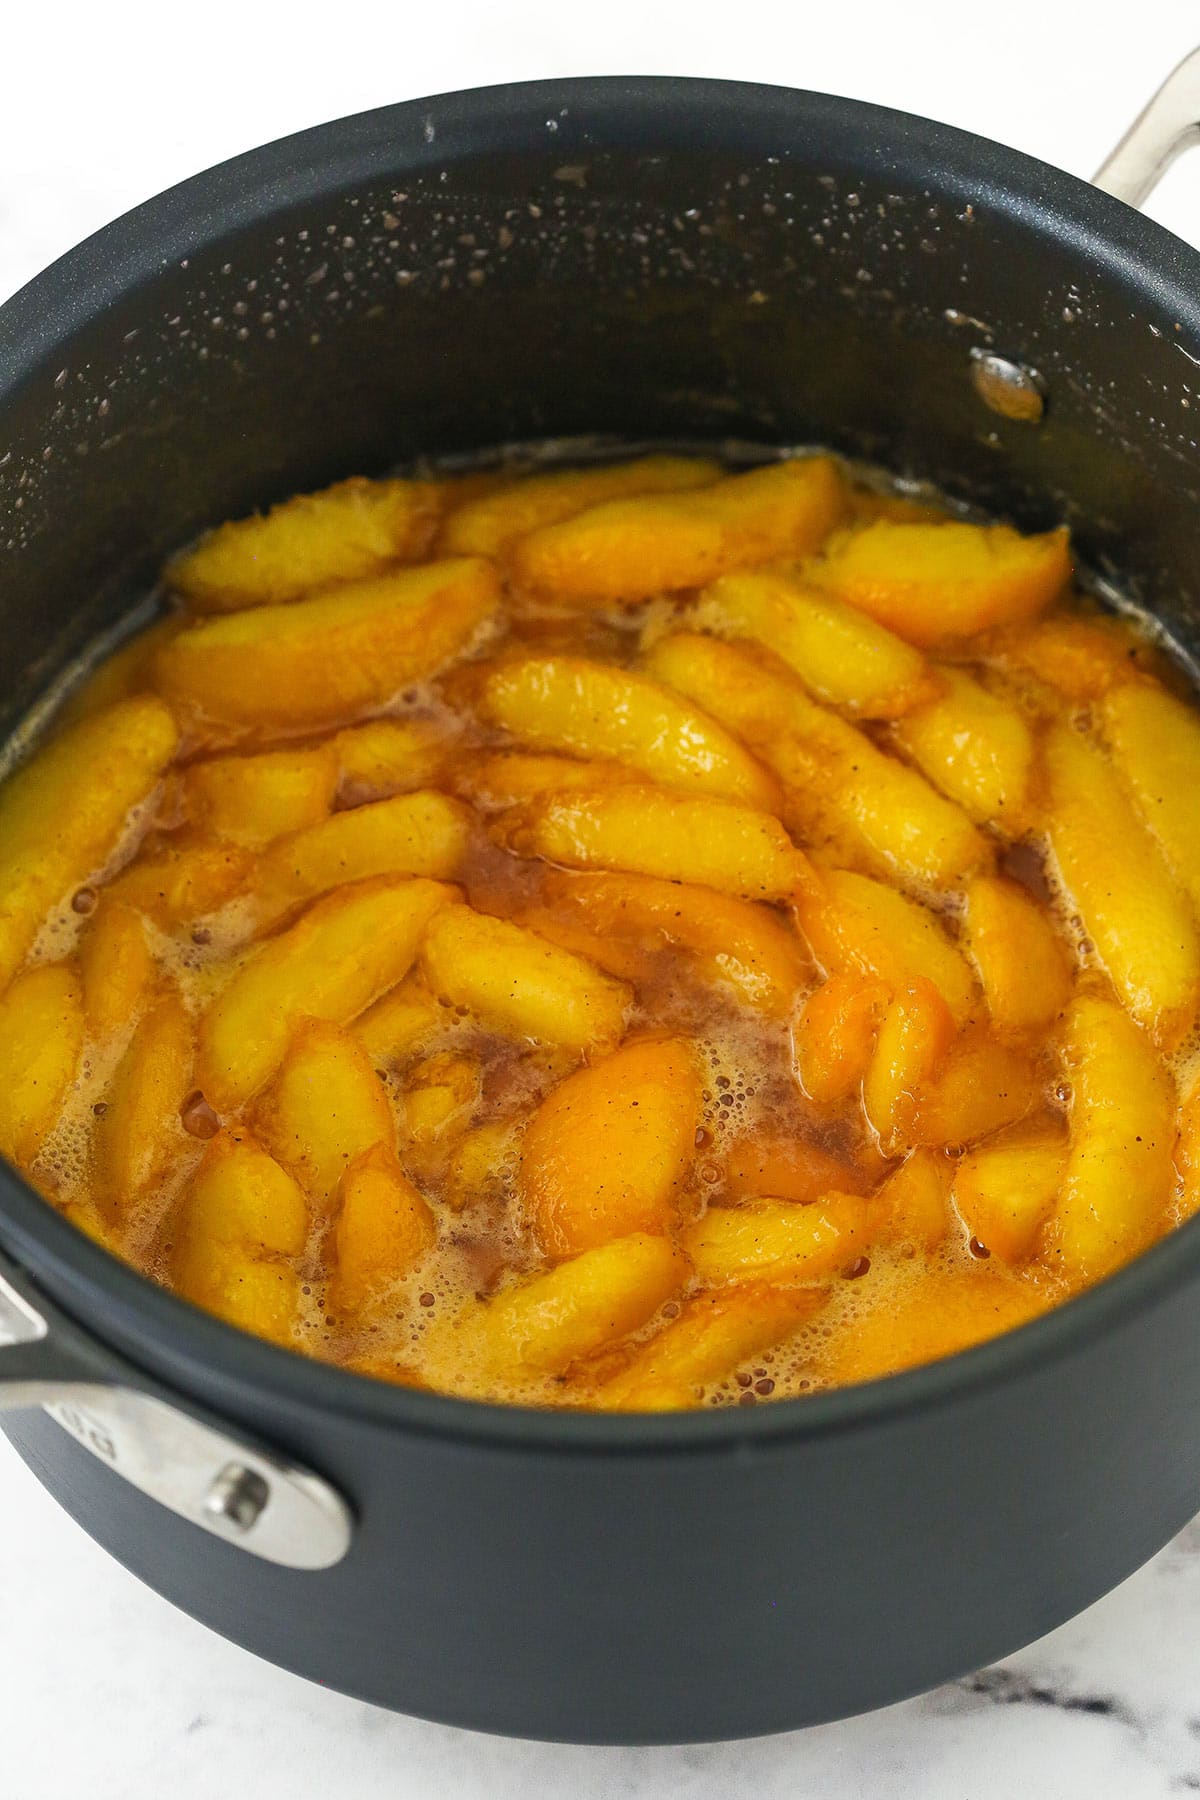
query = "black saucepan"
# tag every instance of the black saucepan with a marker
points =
(651, 260)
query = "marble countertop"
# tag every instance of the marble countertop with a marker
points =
(108, 1693)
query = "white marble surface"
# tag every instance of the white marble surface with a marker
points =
(105, 1691)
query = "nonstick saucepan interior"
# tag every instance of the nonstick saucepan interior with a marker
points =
(643, 261)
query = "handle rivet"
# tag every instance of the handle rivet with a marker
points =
(1011, 389)
(239, 1495)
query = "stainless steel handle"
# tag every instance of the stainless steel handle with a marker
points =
(238, 1491)
(1163, 130)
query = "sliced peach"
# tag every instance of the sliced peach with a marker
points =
(508, 777)
(943, 1312)
(835, 1035)
(240, 1220)
(928, 583)
(41, 1036)
(383, 1228)
(141, 1134)
(651, 831)
(1024, 965)
(733, 942)
(1155, 744)
(490, 524)
(704, 1345)
(777, 1239)
(184, 878)
(325, 1107)
(542, 1325)
(390, 756)
(1005, 1190)
(915, 1034)
(1119, 1174)
(1114, 876)
(117, 969)
(912, 1206)
(342, 652)
(343, 953)
(841, 792)
(981, 1086)
(520, 984)
(843, 657)
(594, 710)
(353, 529)
(608, 1150)
(976, 748)
(63, 813)
(631, 550)
(425, 834)
(788, 1168)
(253, 799)
(858, 926)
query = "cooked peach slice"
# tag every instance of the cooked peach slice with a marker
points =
(1155, 744)
(116, 967)
(41, 1036)
(390, 756)
(915, 1034)
(141, 1133)
(325, 1107)
(712, 1335)
(858, 926)
(338, 653)
(519, 984)
(1023, 964)
(843, 657)
(835, 1035)
(733, 942)
(384, 1227)
(341, 955)
(608, 1150)
(942, 1312)
(1077, 657)
(976, 749)
(353, 529)
(911, 1207)
(424, 834)
(489, 525)
(777, 1239)
(405, 1020)
(240, 1217)
(253, 799)
(439, 1093)
(840, 791)
(1115, 878)
(631, 550)
(980, 1086)
(182, 879)
(787, 1168)
(1005, 1190)
(651, 831)
(928, 583)
(542, 1325)
(62, 815)
(120, 676)
(627, 960)
(1118, 1176)
(594, 710)
(505, 778)
(484, 1162)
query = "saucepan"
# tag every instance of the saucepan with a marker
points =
(630, 261)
